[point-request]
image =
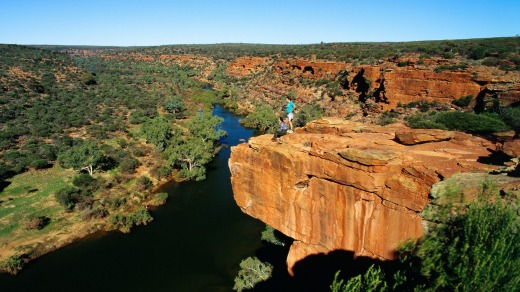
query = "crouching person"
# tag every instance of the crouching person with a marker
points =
(282, 129)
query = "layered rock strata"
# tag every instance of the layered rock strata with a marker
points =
(419, 80)
(343, 185)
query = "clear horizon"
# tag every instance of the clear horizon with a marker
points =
(162, 22)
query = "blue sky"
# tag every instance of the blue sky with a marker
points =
(161, 22)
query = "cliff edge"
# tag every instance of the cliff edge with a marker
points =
(337, 184)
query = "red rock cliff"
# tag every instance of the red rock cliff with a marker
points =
(337, 184)
(400, 84)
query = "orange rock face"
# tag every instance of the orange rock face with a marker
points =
(411, 83)
(246, 65)
(337, 184)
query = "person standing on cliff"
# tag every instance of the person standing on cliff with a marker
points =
(290, 112)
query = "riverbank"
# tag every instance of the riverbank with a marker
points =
(195, 243)
(31, 195)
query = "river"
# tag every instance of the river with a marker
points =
(195, 243)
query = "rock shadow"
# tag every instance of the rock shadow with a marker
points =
(498, 158)
(277, 256)
(316, 272)
(362, 85)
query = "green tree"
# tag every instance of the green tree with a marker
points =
(197, 148)
(206, 127)
(86, 156)
(262, 118)
(372, 280)
(252, 272)
(269, 235)
(157, 131)
(191, 156)
(478, 248)
(175, 105)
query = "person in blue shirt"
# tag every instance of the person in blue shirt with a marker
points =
(282, 130)
(290, 113)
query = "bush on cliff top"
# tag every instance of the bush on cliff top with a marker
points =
(458, 121)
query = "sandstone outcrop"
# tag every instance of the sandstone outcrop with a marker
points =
(432, 80)
(247, 65)
(337, 184)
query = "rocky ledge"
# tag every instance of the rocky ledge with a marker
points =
(337, 184)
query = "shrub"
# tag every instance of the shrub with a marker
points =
(448, 55)
(269, 235)
(39, 163)
(85, 182)
(422, 105)
(306, 114)
(143, 183)
(175, 105)
(67, 197)
(36, 222)
(128, 165)
(475, 248)
(125, 222)
(372, 280)
(387, 117)
(463, 101)
(511, 116)
(262, 118)
(13, 264)
(471, 123)
(458, 121)
(159, 199)
(423, 121)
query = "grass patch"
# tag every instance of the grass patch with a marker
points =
(30, 193)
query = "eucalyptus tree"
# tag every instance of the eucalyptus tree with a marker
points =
(85, 156)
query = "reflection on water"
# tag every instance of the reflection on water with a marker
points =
(195, 242)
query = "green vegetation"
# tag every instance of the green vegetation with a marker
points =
(505, 50)
(463, 101)
(85, 156)
(269, 235)
(372, 280)
(472, 246)
(306, 114)
(197, 148)
(459, 121)
(159, 199)
(125, 222)
(262, 118)
(387, 117)
(106, 118)
(422, 105)
(510, 116)
(13, 264)
(176, 105)
(252, 272)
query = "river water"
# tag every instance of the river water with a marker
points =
(195, 242)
